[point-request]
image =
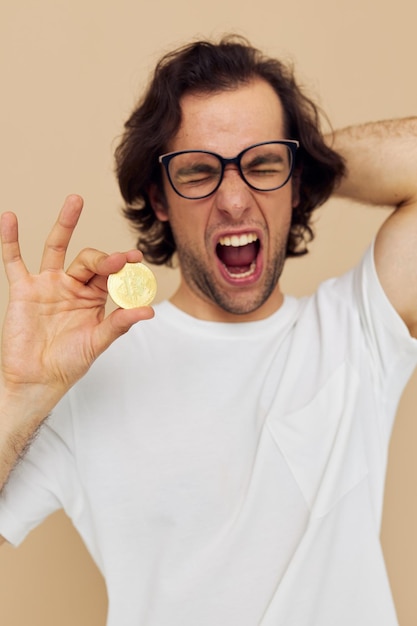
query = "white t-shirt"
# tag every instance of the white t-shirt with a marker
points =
(232, 474)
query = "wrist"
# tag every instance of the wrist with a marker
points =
(23, 407)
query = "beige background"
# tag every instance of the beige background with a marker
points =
(70, 73)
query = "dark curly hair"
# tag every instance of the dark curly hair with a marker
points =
(209, 67)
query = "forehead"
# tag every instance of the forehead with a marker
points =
(229, 121)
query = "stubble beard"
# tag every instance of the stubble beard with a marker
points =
(202, 281)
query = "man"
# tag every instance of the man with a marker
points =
(224, 461)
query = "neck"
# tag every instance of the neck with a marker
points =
(203, 308)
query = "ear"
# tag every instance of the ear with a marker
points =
(158, 202)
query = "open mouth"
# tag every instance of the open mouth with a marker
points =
(238, 254)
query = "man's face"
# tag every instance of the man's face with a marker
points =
(231, 245)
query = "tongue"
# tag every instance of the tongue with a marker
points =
(240, 257)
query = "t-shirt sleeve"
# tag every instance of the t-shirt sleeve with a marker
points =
(391, 347)
(42, 482)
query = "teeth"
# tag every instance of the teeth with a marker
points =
(238, 240)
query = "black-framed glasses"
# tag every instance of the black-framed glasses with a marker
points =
(196, 174)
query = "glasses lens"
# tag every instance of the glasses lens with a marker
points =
(267, 166)
(194, 174)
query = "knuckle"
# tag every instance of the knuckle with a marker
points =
(92, 255)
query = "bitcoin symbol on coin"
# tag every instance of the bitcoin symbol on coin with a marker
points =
(133, 286)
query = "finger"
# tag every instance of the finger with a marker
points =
(56, 244)
(117, 324)
(90, 263)
(12, 259)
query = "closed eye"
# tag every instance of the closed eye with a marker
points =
(197, 173)
(265, 164)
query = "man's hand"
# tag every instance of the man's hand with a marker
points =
(55, 325)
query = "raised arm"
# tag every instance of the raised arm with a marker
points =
(54, 328)
(382, 170)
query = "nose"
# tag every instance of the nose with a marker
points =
(233, 196)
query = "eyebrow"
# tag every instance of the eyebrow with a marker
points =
(266, 158)
(196, 168)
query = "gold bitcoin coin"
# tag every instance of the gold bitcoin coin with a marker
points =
(134, 285)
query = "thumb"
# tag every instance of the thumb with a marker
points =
(116, 324)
